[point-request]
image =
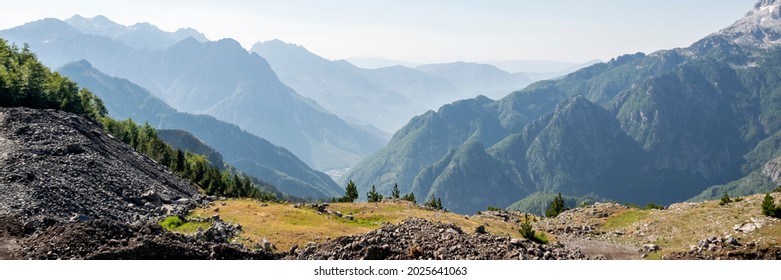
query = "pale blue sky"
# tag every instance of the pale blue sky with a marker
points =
(423, 30)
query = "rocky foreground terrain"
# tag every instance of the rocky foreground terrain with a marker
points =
(69, 190)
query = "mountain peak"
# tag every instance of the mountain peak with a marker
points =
(761, 27)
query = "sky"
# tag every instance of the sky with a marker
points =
(422, 31)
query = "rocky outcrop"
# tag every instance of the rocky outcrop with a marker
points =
(419, 239)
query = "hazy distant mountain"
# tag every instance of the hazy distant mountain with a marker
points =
(338, 86)
(640, 128)
(374, 62)
(532, 66)
(474, 79)
(139, 35)
(422, 88)
(219, 78)
(247, 152)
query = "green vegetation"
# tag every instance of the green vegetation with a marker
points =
(769, 207)
(491, 208)
(652, 205)
(434, 202)
(528, 232)
(26, 82)
(172, 222)
(350, 193)
(725, 200)
(373, 196)
(409, 197)
(556, 207)
(624, 219)
(196, 168)
(395, 193)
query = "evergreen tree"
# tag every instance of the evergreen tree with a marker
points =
(556, 207)
(395, 193)
(373, 196)
(434, 202)
(409, 197)
(769, 207)
(350, 193)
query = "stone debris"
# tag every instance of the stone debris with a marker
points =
(419, 239)
(69, 190)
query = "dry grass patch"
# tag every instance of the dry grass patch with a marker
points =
(285, 225)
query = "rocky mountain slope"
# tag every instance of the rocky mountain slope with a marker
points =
(639, 128)
(70, 190)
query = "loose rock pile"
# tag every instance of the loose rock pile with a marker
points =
(421, 239)
(69, 190)
(727, 247)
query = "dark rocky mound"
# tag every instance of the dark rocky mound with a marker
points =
(69, 190)
(63, 166)
(417, 239)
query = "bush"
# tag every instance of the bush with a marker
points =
(528, 232)
(653, 206)
(556, 207)
(491, 208)
(725, 200)
(769, 207)
(172, 222)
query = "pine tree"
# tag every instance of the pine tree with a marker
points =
(434, 202)
(409, 197)
(556, 207)
(350, 193)
(769, 207)
(373, 196)
(395, 193)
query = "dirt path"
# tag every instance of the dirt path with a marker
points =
(607, 250)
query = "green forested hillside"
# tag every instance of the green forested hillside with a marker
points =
(654, 128)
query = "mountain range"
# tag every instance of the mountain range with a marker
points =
(388, 97)
(655, 128)
(218, 78)
(247, 152)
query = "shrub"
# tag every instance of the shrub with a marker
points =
(653, 206)
(491, 208)
(528, 232)
(172, 222)
(725, 200)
